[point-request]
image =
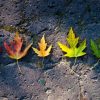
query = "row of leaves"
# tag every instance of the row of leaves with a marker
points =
(72, 50)
(14, 49)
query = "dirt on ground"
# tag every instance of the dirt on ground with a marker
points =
(55, 78)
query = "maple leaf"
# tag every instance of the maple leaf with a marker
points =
(42, 52)
(14, 48)
(72, 50)
(71, 39)
(95, 48)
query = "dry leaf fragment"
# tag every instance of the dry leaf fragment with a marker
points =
(42, 52)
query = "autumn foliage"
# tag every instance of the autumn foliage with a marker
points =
(42, 52)
(72, 50)
(14, 47)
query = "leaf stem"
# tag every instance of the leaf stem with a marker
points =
(62, 58)
(19, 66)
(43, 62)
(95, 64)
(75, 61)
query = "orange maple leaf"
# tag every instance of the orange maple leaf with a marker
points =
(42, 52)
(14, 48)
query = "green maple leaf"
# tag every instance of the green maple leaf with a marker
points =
(95, 49)
(72, 50)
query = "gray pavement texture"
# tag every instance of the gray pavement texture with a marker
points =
(55, 81)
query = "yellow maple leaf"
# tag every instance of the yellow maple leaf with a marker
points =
(42, 52)
(72, 50)
(71, 39)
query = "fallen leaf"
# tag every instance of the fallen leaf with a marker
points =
(95, 48)
(71, 38)
(72, 50)
(42, 52)
(14, 47)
